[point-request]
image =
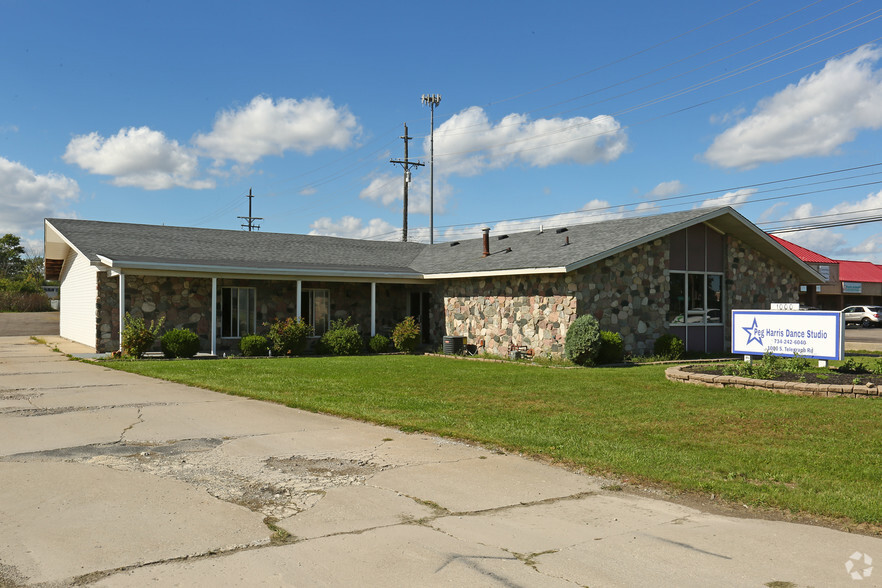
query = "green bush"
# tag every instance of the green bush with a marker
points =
(583, 340)
(406, 335)
(24, 302)
(669, 347)
(342, 338)
(179, 343)
(612, 349)
(379, 343)
(254, 345)
(137, 337)
(288, 337)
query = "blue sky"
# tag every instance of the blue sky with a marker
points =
(557, 113)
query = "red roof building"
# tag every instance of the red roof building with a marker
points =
(848, 283)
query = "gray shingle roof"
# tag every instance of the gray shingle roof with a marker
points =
(233, 249)
(213, 248)
(548, 249)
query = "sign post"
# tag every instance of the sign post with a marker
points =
(816, 334)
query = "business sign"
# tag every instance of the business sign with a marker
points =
(851, 287)
(817, 334)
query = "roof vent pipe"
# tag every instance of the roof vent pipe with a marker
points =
(486, 231)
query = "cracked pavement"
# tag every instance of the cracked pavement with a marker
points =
(113, 479)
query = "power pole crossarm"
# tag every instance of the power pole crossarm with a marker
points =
(406, 164)
(250, 219)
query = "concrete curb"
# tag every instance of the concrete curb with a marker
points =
(679, 374)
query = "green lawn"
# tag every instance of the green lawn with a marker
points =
(821, 456)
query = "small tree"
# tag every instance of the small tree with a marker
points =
(137, 337)
(406, 335)
(288, 337)
(583, 340)
(12, 262)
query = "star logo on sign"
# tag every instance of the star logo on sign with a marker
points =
(753, 333)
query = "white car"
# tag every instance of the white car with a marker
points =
(865, 316)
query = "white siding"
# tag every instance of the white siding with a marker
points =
(79, 296)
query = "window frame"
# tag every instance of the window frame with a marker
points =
(233, 330)
(687, 303)
(308, 309)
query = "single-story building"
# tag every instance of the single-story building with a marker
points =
(680, 272)
(845, 283)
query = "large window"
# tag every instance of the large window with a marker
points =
(696, 298)
(238, 312)
(316, 308)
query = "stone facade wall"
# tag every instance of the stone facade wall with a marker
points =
(523, 310)
(627, 293)
(753, 281)
(106, 314)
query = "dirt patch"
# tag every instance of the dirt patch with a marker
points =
(277, 487)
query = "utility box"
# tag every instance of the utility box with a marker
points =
(453, 345)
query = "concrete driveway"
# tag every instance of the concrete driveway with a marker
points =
(112, 479)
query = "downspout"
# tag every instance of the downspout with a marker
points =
(214, 316)
(373, 308)
(122, 307)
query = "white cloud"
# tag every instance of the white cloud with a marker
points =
(468, 143)
(272, 127)
(729, 198)
(665, 189)
(388, 189)
(870, 249)
(138, 157)
(29, 197)
(808, 119)
(355, 228)
(831, 241)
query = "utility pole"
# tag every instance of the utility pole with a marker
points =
(432, 100)
(250, 226)
(406, 164)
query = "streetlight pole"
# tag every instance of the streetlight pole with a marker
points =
(432, 100)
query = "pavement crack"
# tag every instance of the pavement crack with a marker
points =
(122, 436)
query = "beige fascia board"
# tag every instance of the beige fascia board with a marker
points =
(489, 274)
(161, 269)
(61, 237)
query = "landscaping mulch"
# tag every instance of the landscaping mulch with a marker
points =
(831, 377)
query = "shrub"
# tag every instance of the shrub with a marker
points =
(24, 302)
(379, 343)
(289, 336)
(796, 364)
(406, 335)
(254, 345)
(179, 343)
(137, 337)
(612, 349)
(853, 366)
(342, 338)
(583, 340)
(669, 346)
